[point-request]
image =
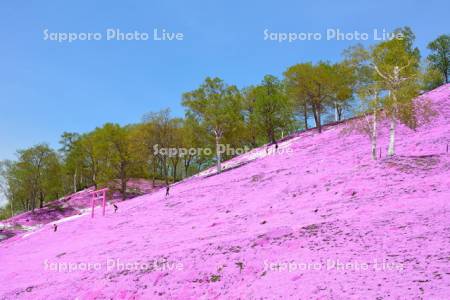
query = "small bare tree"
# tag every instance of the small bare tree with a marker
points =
(373, 102)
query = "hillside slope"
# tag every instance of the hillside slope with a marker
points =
(320, 201)
(68, 206)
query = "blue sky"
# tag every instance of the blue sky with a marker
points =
(48, 87)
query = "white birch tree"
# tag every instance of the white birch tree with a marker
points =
(396, 64)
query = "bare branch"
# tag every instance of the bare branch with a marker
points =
(404, 67)
(379, 72)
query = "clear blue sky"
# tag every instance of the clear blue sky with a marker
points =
(48, 87)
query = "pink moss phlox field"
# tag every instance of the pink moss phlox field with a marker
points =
(319, 220)
(74, 204)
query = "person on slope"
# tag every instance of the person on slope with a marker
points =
(270, 144)
(167, 190)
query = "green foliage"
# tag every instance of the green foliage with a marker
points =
(272, 109)
(251, 134)
(388, 80)
(320, 87)
(217, 107)
(34, 178)
(114, 149)
(194, 136)
(4, 214)
(157, 130)
(439, 58)
(431, 78)
(398, 53)
(397, 68)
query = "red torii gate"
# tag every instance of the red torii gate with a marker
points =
(98, 194)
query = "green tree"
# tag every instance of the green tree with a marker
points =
(5, 190)
(369, 92)
(431, 78)
(115, 147)
(439, 58)
(73, 160)
(176, 141)
(396, 63)
(88, 150)
(316, 87)
(344, 81)
(217, 106)
(195, 136)
(157, 132)
(296, 89)
(251, 128)
(35, 177)
(273, 110)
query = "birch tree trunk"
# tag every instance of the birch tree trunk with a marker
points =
(336, 114)
(374, 135)
(219, 167)
(75, 181)
(391, 149)
(305, 115)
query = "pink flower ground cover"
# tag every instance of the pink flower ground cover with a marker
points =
(319, 220)
(74, 204)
